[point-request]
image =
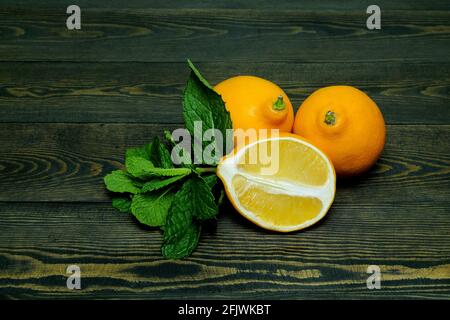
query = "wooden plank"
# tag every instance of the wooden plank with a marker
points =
(168, 35)
(151, 92)
(120, 259)
(237, 4)
(66, 162)
(135, 92)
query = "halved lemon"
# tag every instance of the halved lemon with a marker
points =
(281, 183)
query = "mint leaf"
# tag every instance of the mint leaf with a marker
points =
(159, 183)
(143, 169)
(152, 209)
(202, 103)
(122, 204)
(159, 155)
(180, 213)
(181, 233)
(141, 152)
(137, 166)
(181, 155)
(198, 74)
(160, 172)
(181, 246)
(119, 181)
(210, 180)
(219, 193)
(202, 199)
(169, 138)
(197, 199)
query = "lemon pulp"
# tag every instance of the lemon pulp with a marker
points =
(308, 168)
(275, 208)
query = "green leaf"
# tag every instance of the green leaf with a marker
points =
(219, 193)
(160, 172)
(197, 198)
(210, 180)
(159, 183)
(143, 169)
(202, 199)
(181, 233)
(198, 74)
(202, 103)
(122, 204)
(183, 245)
(152, 209)
(180, 214)
(182, 156)
(137, 166)
(141, 152)
(159, 155)
(119, 181)
(169, 138)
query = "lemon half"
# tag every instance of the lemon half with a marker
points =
(280, 183)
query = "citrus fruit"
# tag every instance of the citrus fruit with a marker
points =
(256, 103)
(289, 185)
(346, 124)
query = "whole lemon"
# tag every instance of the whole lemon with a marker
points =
(346, 124)
(256, 103)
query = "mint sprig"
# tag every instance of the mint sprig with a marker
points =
(179, 199)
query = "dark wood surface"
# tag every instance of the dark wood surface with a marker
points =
(408, 93)
(72, 102)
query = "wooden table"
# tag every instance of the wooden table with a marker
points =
(71, 102)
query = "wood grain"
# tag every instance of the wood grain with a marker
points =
(120, 259)
(66, 162)
(71, 102)
(237, 4)
(168, 35)
(151, 92)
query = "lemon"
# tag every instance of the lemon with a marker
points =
(281, 183)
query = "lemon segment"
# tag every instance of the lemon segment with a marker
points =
(309, 168)
(275, 208)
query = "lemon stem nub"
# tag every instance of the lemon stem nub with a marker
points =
(330, 118)
(279, 105)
